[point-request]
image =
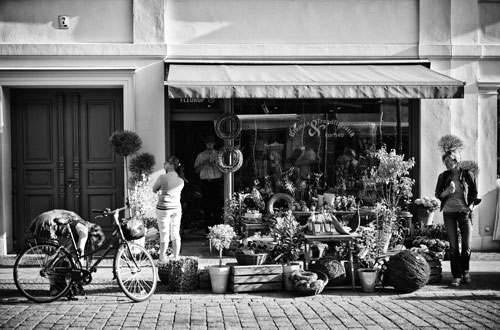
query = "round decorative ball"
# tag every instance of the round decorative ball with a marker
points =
(407, 271)
(125, 143)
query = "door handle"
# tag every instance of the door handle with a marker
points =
(71, 182)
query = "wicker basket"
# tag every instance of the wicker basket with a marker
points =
(251, 259)
(308, 291)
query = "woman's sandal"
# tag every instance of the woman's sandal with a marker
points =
(455, 282)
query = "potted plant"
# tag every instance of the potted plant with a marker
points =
(426, 207)
(181, 275)
(390, 182)
(125, 143)
(220, 237)
(289, 238)
(370, 269)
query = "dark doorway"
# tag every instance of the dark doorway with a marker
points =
(187, 142)
(61, 157)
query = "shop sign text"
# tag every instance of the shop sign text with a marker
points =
(332, 128)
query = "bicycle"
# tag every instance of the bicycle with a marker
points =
(46, 270)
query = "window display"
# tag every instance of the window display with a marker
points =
(309, 147)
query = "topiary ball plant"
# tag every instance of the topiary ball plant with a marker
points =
(125, 143)
(141, 164)
(407, 271)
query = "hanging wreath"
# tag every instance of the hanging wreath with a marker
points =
(235, 156)
(227, 120)
(279, 197)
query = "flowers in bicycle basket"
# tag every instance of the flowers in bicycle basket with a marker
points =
(427, 204)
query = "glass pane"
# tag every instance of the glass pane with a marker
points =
(316, 144)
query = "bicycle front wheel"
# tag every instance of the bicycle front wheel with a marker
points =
(42, 273)
(135, 272)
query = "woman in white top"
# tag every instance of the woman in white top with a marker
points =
(168, 208)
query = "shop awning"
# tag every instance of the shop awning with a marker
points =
(293, 81)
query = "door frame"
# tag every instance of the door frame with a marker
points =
(123, 78)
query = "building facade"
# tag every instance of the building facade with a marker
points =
(331, 76)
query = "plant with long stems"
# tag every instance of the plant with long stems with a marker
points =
(390, 181)
(289, 236)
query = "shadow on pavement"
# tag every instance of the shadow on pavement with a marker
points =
(453, 297)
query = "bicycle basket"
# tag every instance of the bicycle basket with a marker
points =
(133, 228)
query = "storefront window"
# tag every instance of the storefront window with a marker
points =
(324, 144)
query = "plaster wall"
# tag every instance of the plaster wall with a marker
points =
(296, 21)
(435, 16)
(464, 31)
(36, 22)
(6, 242)
(489, 19)
(149, 112)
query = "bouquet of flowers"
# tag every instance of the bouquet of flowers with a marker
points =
(142, 199)
(427, 205)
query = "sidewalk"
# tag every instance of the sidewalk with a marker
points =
(436, 306)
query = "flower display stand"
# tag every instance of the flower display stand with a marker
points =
(246, 278)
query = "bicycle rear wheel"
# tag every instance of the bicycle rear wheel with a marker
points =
(42, 273)
(135, 272)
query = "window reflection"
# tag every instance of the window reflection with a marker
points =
(327, 141)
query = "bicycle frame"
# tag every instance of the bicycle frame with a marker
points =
(115, 240)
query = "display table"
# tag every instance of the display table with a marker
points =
(331, 238)
(365, 213)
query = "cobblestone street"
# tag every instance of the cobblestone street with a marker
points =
(436, 306)
(450, 309)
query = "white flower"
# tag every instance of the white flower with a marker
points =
(428, 203)
(141, 198)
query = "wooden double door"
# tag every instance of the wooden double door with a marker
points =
(61, 158)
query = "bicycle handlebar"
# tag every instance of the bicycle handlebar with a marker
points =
(107, 211)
